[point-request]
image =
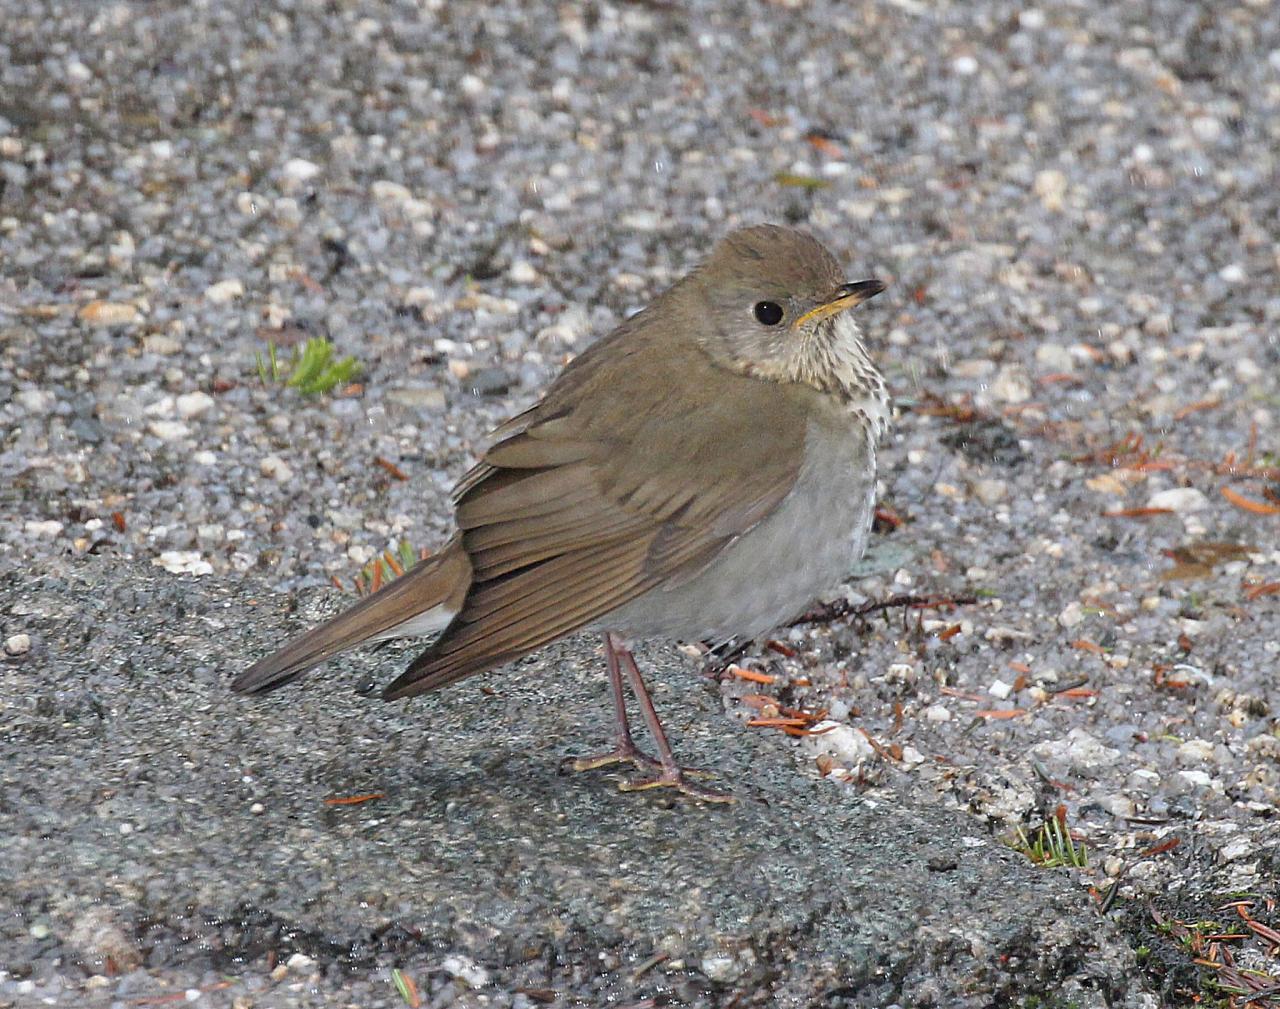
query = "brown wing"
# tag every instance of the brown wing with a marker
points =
(630, 474)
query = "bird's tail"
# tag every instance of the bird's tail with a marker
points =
(423, 600)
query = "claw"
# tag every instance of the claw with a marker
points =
(665, 772)
(675, 778)
(621, 754)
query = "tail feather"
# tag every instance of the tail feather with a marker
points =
(424, 599)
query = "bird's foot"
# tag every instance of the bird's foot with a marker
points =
(677, 778)
(626, 752)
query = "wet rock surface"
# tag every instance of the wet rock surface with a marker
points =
(164, 836)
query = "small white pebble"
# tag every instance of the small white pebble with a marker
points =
(298, 170)
(1237, 849)
(418, 296)
(900, 672)
(1011, 385)
(47, 529)
(183, 562)
(77, 72)
(1160, 324)
(193, 404)
(1071, 615)
(1179, 499)
(965, 66)
(224, 291)
(1120, 352)
(360, 553)
(276, 468)
(158, 343)
(1207, 129)
(937, 713)
(1054, 357)
(1050, 186)
(642, 220)
(990, 492)
(1000, 689)
(466, 970)
(17, 644)
(163, 407)
(386, 191)
(557, 333)
(168, 430)
(719, 968)
(1233, 273)
(34, 400)
(299, 962)
(522, 272)
(364, 30)
(1195, 751)
(1247, 370)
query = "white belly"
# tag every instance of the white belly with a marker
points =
(774, 571)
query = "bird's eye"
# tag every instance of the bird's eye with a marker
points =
(768, 313)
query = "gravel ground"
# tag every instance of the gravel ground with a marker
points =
(1076, 206)
(205, 858)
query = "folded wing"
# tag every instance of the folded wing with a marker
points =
(604, 491)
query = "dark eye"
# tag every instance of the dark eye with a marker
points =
(768, 313)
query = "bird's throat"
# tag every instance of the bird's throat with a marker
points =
(833, 360)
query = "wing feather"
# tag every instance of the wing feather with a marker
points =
(603, 492)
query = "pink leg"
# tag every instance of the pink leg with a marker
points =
(670, 774)
(625, 749)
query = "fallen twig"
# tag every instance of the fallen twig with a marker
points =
(840, 608)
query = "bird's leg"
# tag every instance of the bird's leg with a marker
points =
(670, 774)
(625, 749)
(719, 658)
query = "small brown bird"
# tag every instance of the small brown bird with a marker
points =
(701, 473)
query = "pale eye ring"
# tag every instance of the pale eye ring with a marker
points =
(768, 313)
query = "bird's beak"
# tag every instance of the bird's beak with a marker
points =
(846, 296)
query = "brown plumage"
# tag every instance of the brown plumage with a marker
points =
(698, 437)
